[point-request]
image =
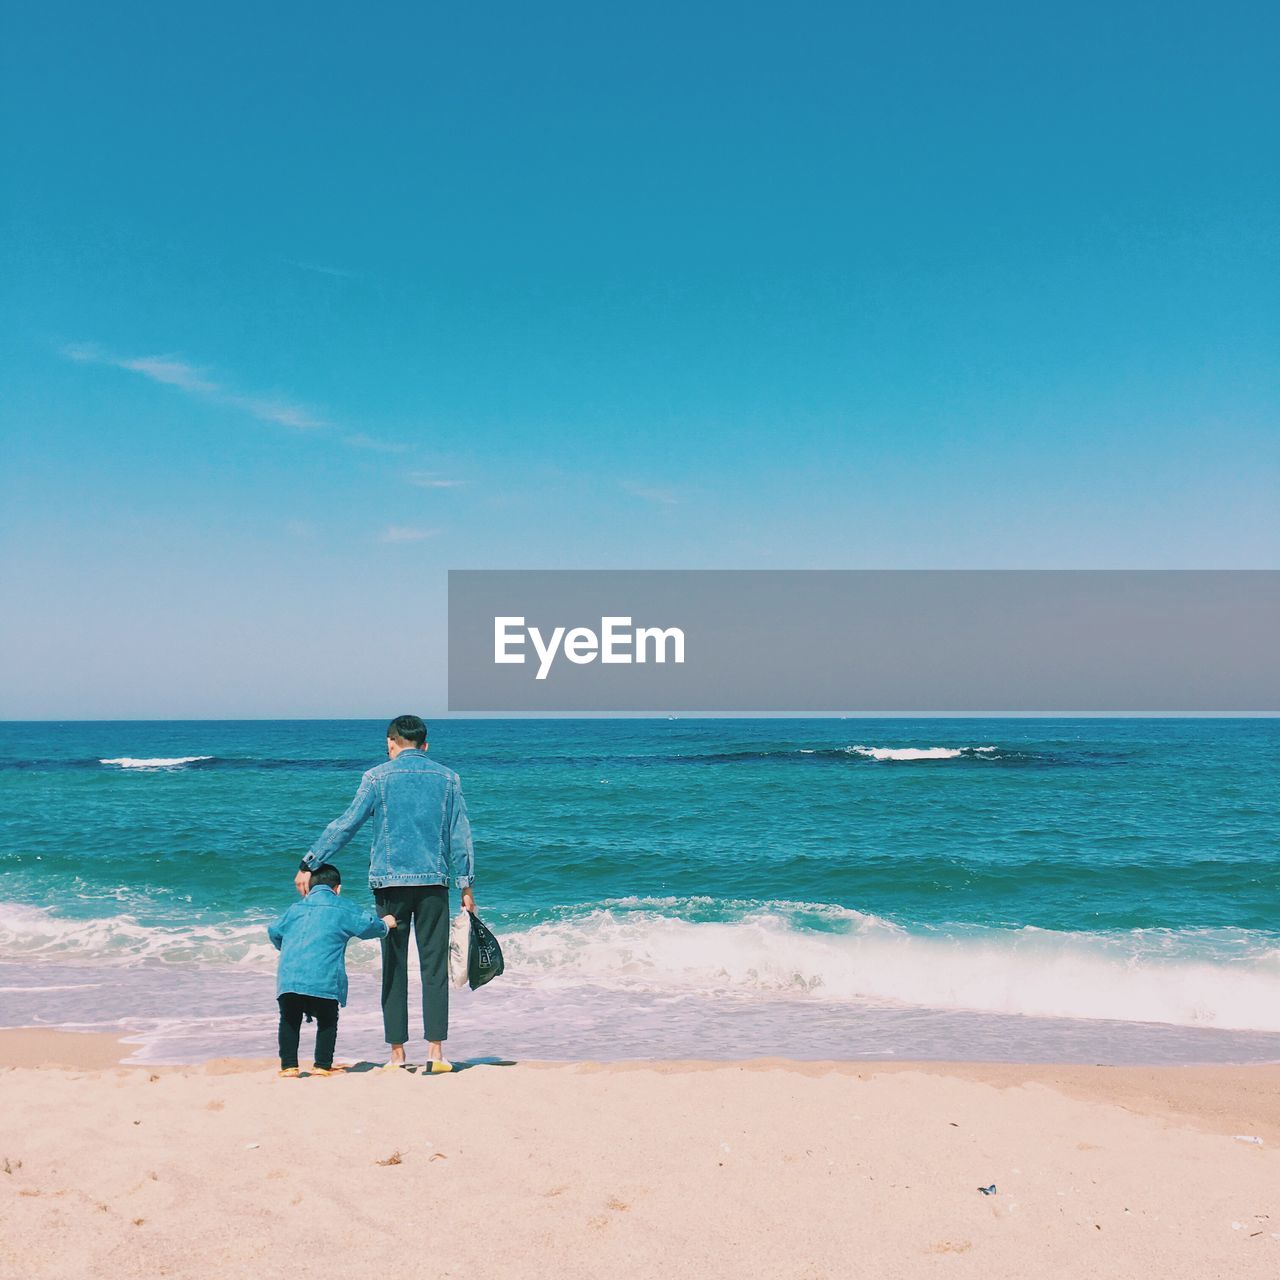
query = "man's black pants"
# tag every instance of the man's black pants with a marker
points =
(426, 907)
(292, 1009)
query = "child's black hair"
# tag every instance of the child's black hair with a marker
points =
(326, 874)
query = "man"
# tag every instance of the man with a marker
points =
(420, 834)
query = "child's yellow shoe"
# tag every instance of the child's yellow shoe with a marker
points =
(437, 1066)
(288, 1073)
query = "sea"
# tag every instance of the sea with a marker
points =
(1068, 890)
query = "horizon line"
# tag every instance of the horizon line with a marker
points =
(666, 716)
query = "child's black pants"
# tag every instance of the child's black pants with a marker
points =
(292, 1009)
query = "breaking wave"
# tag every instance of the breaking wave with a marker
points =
(860, 753)
(154, 762)
(1227, 979)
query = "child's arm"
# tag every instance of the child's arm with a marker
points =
(365, 924)
(275, 930)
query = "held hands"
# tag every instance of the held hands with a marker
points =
(302, 882)
(390, 922)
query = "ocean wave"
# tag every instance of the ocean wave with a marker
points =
(154, 762)
(1227, 979)
(263, 764)
(859, 753)
(27, 932)
(853, 754)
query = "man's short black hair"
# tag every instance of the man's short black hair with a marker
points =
(408, 729)
(326, 874)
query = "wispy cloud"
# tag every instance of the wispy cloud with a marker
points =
(648, 493)
(321, 270)
(399, 533)
(172, 371)
(433, 480)
(372, 443)
(272, 409)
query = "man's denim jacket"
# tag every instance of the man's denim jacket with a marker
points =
(312, 939)
(420, 827)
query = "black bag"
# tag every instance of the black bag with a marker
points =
(484, 956)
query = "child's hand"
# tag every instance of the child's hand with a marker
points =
(389, 921)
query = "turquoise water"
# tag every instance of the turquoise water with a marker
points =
(818, 887)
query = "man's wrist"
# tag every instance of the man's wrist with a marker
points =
(304, 865)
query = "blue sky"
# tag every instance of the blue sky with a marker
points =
(305, 306)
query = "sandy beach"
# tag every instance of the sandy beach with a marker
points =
(766, 1168)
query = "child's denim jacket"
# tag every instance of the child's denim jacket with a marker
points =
(312, 939)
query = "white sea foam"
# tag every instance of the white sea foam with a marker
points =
(29, 932)
(667, 947)
(51, 986)
(913, 753)
(1225, 981)
(154, 762)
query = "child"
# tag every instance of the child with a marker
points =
(312, 939)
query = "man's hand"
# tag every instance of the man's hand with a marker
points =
(390, 922)
(302, 882)
(469, 900)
